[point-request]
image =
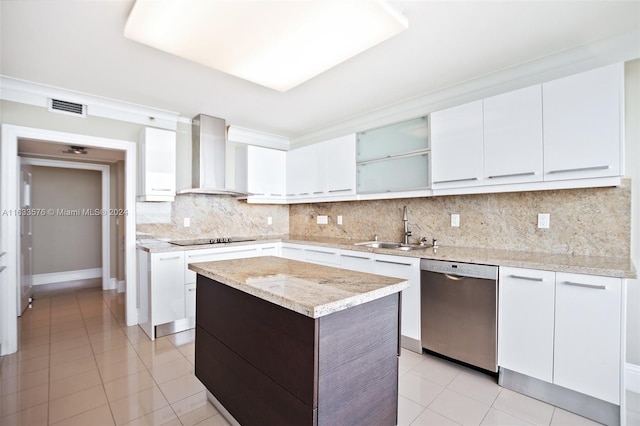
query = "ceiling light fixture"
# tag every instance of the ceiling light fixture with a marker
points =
(277, 44)
(74, 149)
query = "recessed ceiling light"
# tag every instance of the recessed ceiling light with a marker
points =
(277, 44)
(74, 149)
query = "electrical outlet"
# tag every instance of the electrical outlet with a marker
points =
(543, 220)
(455, 220)
(187, 222)
(339, 220)
(322, 219)
(269, 220)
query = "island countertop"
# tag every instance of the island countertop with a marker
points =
(309, 289)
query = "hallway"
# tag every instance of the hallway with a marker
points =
(78, 364)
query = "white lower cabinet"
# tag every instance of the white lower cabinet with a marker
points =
(407, 268)
(161, 287)
(167, 287)
(562, 328)
(587, 335)
(292, 251)
(357, 261)
(526, 321)
(190, 300)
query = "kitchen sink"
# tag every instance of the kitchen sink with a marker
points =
(378, 244)
(395, 246)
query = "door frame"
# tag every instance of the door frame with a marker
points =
(105, 206)
(9, 201)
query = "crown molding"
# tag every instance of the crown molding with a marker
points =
(254, 137)
(36, 94)
(621, 48)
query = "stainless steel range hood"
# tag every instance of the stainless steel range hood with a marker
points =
(209, 141)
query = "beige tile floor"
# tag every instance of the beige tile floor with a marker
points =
(78, 364)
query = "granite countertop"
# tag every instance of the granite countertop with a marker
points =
(591, 265)
(309, 289)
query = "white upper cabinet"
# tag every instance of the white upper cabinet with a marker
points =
(582, 122)
(457, 146)
(324, 171)
(513, 137)
(156, 165)
(262, 173)
(394, 158)
(341, 165)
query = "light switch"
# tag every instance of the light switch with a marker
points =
(339, 220)
(322, 219)
(269, 220)
(187, 222)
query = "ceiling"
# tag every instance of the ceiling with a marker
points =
(79, 45)
(49, 149)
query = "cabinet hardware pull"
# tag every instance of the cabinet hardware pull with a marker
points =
(520, 277)
(318, 192)
(340, 190)
(356, 257)
(170, 258)
(320, 251)
(393, 263)
(456, 180)
(200, 255)
(192, 289)
(513, 175)
(161, 189)
(579, 169)
(593, 286)
(420, 152)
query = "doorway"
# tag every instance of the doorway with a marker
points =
(10, 225)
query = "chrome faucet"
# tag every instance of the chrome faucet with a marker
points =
(407, 233)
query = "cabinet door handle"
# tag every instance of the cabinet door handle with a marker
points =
(320, 251)
(318, 192)
(393, 263)
(520, 277)
(456, 180)
(340, 190)
(512, 175)
(169, 258)
(193, 256)
(161, 189)
(356, 257)
(593, 286)
(579, 169)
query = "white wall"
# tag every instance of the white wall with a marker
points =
(632, 152)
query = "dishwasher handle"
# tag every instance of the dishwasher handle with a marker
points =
(454, 277)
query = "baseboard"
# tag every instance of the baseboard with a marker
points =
(58, 277)
(632, 377)
(411, 344)
(121, 286)
(111, 284)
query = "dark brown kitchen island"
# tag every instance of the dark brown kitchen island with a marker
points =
(282, 342)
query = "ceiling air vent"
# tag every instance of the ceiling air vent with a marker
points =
(66, 107)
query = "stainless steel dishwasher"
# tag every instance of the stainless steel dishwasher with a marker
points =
(458, 304)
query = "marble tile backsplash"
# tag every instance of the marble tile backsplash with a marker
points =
(592, 221)
(210, 216)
